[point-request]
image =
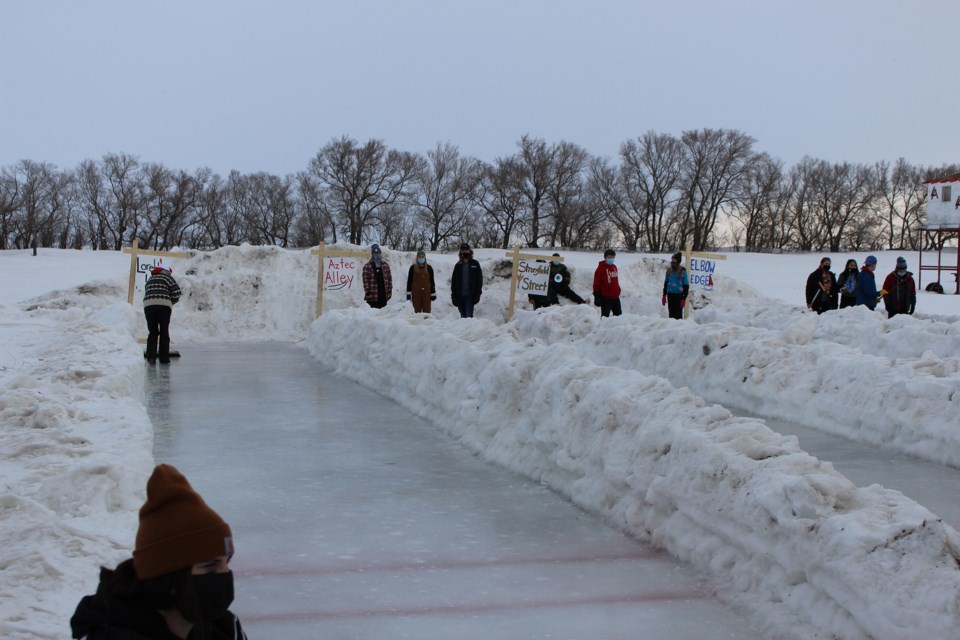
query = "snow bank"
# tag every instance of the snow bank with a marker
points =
(789, 536)
(76, 445)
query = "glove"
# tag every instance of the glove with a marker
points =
(881, 293)
(596, 298)
(476, 298)
(683, 302)
(408, 297)
(453, 300)
(433, 297)
(663, 300)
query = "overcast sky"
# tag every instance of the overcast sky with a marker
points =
(262, 86)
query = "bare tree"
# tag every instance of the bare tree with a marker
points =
(125, 201)
(650, 174)
(501, 200)
(358, 180)
(445, 187)
(534, 173)
(714, 163)
(759, 204)
(11, 200)
(565, 193)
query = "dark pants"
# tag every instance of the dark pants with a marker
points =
(674, 310)
(377, 304)
(608, 305)
(566, 292)
(465, 304)
(847, 301)
(158, 325)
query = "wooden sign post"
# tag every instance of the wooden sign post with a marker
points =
(134, 252)
(687, 255)
(323, 253)
(516, 256)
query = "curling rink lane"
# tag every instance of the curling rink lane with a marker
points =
(353, 518)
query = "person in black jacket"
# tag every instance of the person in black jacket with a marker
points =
(466, 284)
(159, 295)
(821, 291)
(178, 584)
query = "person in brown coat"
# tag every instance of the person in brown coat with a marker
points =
(421, 287)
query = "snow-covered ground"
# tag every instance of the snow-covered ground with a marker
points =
(617, 413)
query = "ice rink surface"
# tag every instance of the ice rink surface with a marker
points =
(353, 518)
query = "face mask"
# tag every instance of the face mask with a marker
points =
(826, 267)
(674, 264)
(901, 272)
(214, 594)
(421, 260)
(610, 261)
(555, 263)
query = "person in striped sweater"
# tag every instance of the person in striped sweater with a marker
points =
(160, 294)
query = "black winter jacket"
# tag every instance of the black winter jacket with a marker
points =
(104, 617)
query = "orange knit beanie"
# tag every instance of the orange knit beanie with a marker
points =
(177, 528)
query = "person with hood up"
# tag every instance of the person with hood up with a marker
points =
(676, 287)
(901, 290)
(377, 281)
(466, 284)
(847, 283)
(867, 294)
(559, 284)
(606, 285)
(160, 293)
(178, 584)
(421, 287)
(821, 288)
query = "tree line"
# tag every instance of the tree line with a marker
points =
(705, 188)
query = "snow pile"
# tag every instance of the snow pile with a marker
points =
(788, 535)
(76, 446)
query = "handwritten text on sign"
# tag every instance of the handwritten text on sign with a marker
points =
(533, 277)
(145, 265)
(701, 273)
(339, 273)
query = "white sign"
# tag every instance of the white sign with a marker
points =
(701, 273)
(943, 204)
(339, 273)
(145, 265)
(533, 277)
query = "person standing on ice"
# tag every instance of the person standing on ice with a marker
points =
(421, 287)
(178, 584)
(377, 281)
(847, 283)
(466, 284)
(676, 287)
(901, 296)
(822, 288)
(606, 285)
(159, 295)
(867, 294)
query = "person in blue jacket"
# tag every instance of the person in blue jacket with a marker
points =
(867, 294)
(676, 287)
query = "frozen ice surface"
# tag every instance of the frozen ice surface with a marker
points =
(353, 518)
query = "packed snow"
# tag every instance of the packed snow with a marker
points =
(638, 418)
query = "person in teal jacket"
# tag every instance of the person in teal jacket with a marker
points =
(676, 287)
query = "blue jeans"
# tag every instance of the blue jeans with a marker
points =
(466, 306)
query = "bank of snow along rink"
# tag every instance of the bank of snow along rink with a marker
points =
(778, 532)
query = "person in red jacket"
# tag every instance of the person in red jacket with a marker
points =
(606, 285)
(901, 290)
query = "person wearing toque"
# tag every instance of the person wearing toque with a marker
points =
(867, 294)
(421, 285)
(899, 290)
(377, 280)
(178, 584)
(466, 283)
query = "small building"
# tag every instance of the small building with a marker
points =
(943, 203)
(943, 223)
